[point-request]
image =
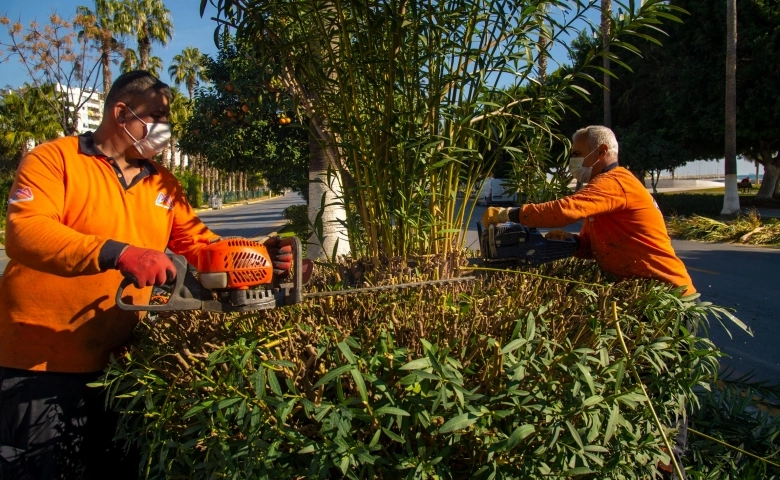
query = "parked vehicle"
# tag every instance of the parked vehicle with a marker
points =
(494, 192)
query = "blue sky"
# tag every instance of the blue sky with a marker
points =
(189, 29)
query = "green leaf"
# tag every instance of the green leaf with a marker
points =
(336, 372)
(514, 345)
(518, 435)
(359, 383)
(577, 471)
(228, 402)
(390, 411)
(612, 423)
(575, 435)
(459, 422)
(393, 436)
(592, 400)
(347, 353)
(418, 364)
(273, 382)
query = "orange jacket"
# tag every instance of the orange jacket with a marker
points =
(57, 296)
(622, 229)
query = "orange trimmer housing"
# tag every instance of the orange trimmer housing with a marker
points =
(234, 263)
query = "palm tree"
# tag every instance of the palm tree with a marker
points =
(130, 63)
(180, 112)
(107, 24)
(187, 67)
(25, 116)
(150, 22)
(731, 198)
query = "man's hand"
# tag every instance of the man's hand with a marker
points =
(558, 235)
(280, 250)
(495, 215)
(145, 267)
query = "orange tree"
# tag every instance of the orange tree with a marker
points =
(238, 127)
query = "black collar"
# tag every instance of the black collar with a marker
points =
(609, 167)
(87, 147)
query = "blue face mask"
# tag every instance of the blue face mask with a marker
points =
(158, 135)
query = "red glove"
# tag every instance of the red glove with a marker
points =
(280, 250)
(146, 267)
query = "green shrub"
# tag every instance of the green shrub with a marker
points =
(297, 217)
(5, 190)
(737, 411)
(514, 376)
(191, 182)
(687, 204)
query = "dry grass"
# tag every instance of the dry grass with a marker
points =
(747, 229)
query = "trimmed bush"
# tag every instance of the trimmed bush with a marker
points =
(514, 376)
(686, 204)
(190, 182)
(297, 217)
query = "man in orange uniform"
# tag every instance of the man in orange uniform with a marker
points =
(623, 229)
(83, 212)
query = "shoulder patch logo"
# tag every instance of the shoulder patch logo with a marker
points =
(164, 201)
(21, 195)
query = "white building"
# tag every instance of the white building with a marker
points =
(91, 112)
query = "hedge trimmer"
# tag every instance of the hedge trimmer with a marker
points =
(236, 275)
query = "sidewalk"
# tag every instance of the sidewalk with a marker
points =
(235, 204)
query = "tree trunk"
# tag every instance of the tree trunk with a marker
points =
(328, 238)
(606, 30)
(172, 160)
(105, 60)
(542, 49)
(144, 47)
(770, 184)
(731, 198)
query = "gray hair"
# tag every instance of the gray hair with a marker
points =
(597, 135)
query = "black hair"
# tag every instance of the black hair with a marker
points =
(131, 86)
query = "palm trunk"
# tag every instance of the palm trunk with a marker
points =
(144, 47)
(731, 198)
(606, 29)
(328, 238)
(105, 60)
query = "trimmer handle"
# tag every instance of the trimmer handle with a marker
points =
(176, 300)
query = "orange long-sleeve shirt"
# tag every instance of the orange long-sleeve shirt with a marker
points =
(68, 206)
(623, 230)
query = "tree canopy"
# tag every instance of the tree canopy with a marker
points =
(675, 91)
(238, 126)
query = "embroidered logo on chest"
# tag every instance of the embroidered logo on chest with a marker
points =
(21, 195)
(164, 201)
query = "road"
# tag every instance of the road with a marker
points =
(734, 276)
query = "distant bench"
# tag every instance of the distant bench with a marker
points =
(744, 186)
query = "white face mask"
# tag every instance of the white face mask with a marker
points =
(157, 137)
(579, 172)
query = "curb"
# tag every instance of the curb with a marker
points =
(229, 205)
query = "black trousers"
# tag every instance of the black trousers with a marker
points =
(53, 426)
